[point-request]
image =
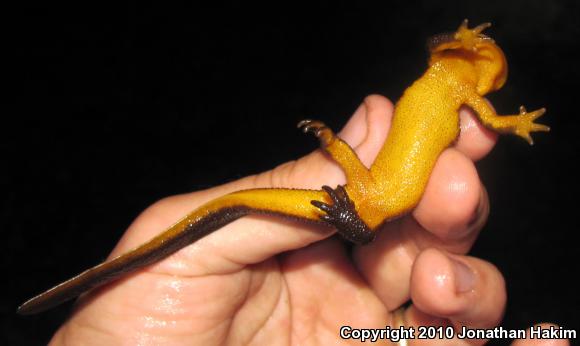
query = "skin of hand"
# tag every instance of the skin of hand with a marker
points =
(266, 280)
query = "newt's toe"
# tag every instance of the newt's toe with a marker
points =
(526, 123)
(318, 129)
(343, 216)
(469, 38)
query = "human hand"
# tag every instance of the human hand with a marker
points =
(265, 280)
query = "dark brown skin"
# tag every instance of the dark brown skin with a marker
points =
(156, 250)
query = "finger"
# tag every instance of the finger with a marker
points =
(454, 206)
(465, 291)
(450, 215)
(252, 239)
(365, 132)
(378, 113)
(528, 341)
(475, 140)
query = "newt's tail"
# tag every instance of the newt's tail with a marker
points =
(196, 225)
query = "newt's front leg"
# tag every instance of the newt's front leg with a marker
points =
(342, 213)
(521, 124)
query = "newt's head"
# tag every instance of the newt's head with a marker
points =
(488, 61)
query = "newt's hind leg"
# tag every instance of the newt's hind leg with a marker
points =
(342, 213)
(343, 216)
(358, 176)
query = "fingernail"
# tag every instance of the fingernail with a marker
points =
(480, 216)
(464, 276)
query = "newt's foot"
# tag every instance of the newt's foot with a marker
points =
(319, 129)
(462, 38)
(470, 38)
(342, 215)
(525, 123)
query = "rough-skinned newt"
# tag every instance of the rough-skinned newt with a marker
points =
(464, 66)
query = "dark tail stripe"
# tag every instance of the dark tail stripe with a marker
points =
(141, 257)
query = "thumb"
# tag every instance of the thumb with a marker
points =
(255, 238)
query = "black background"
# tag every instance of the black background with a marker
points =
(115, 107)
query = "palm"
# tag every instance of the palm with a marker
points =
(302, 295)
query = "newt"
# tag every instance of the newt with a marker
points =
(463, 67)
